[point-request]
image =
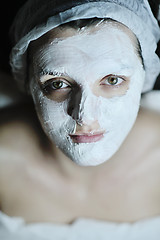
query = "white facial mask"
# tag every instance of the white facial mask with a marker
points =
(85, 58)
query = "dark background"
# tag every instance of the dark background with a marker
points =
(8, 12)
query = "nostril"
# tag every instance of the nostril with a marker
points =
(79, 122)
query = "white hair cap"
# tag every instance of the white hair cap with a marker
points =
(37, 17)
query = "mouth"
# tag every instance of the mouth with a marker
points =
(87, 137)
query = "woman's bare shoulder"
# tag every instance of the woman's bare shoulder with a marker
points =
(149, 118)
(149, 130)
(19, 129)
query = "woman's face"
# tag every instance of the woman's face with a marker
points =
(86, 86)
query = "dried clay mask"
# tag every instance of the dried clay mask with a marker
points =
(86, 90)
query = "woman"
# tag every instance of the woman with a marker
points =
(85, 64)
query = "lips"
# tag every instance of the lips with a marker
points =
(87, 137)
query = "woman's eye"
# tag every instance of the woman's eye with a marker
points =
(112, 80)
(51, 85)
(58, 85)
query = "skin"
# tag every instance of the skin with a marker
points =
(44, 185)
(124, 189)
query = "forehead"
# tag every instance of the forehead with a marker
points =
(85, 54)
(110, 29)
(88, 52)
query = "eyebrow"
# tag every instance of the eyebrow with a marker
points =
(56, 73)
(43, 72)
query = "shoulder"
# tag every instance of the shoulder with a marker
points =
(20, 141)
(147, 141)
(16, 124)
(146, 135)
(20, 131)
(149, 123)
(22, 147)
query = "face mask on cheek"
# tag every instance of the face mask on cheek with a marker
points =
(115, 115)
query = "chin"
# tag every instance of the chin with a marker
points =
(89, 154)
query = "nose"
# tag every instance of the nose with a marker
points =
(83, 107)
(93, 127)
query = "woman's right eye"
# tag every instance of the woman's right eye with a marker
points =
(54, 85)
(58, 85)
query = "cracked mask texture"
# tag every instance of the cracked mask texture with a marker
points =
(115, 114)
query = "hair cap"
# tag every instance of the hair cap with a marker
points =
(37, 17)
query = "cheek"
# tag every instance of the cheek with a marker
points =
(56, 123)
(52, 113)
(118, 114)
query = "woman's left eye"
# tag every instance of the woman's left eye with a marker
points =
(112, 80)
